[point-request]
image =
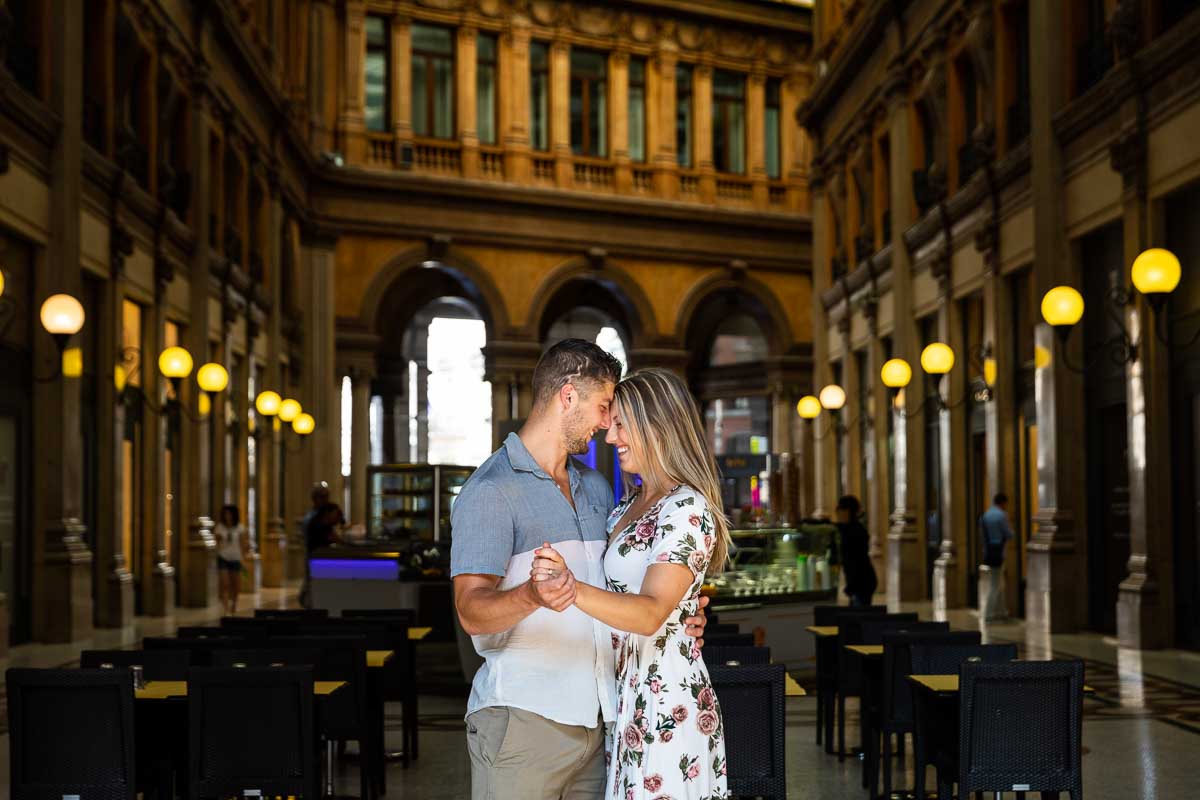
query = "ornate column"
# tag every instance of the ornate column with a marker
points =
(794, 145)
(401, 86)
(466, 63)
(756, 127)
(360, 440)
(949, 574)
(198, 565)
(274, 546)
(1146, 603)
(508, 365)
(560, 113)
(823, 462)
(906, 549)
(352, 117)
(157, 574)
(514, 99)
(875, 450)
(1056, 561)
(660, 119)
(618, 119)
(852, 465)
(702, 122)
(323, 111)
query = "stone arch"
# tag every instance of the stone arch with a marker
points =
(700, 314)
(602, 285)
(416, 277)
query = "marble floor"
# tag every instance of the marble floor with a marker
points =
(1141, 730)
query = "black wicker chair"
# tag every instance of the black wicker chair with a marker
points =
(1020, 729)
(200, 632)
(275, 755)
(848, 672)
(947, 659)
(199, 650)
(399, 676)
(71, 732)
(345, 715)
(752, 709)
(405, 615)
(729, 640)
(157, 665)
(896, 709)
(722, 655)
(291, 613)
(826, 616)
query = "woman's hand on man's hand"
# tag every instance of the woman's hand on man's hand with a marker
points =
(552, 583)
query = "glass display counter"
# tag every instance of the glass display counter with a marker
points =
(407, 502)
(774, 579)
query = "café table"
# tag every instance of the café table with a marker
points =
(935, 718)
(791, 688)
(167, 690)
(871, 656)
(826, 641)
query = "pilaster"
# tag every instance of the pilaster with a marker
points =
(466, 67)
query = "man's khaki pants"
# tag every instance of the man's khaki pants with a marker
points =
(518, 755)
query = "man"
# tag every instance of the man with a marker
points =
(320, 498)
(994, 533)
(535, 718)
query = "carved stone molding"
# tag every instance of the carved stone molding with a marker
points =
(1127, 155)
(120, 247)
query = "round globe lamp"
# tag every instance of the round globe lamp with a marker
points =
(832, 397)
(1062, 307)
(268, 403)
(896, 373)
(809, 407)
(303, 424)
(212, 378)
(1156, 273)
(289, 409)
(204, 404)
(175, 363)
(62, 317)
(937, 358)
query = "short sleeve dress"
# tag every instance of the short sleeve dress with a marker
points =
(669, 737)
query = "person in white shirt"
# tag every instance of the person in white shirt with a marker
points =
(232, 546)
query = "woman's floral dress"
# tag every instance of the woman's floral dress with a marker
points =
(669, 738)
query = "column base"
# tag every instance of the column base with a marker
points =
(295, 552)
(114, 606)
(948, 589)
(158, 591)
(251, 579)
(274, 555)
(1053, 600)
(905, 575)
(1140, 615)
(198, 581)
(66, 584)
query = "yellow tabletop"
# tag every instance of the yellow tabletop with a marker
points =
(947, 684)
(162, 690)
(822, 631)
(791, 688)
(417, 634)
(866, 649)
(377, 658)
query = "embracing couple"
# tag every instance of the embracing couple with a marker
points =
(587, 616)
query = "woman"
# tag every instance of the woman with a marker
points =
(856, 558)
(231, 548)
(669, 739)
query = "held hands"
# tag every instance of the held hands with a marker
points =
(552, 584)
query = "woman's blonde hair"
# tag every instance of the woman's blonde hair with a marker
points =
(663, 425)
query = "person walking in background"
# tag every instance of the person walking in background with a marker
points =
(994, 533)
(861, 580)
(320, 498)
(232, 546)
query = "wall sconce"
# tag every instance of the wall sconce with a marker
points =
(831, 398)
(936, 359)
(1155, 274)
(62, 316)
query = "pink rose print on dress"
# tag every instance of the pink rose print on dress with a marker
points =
(615, 641)
(695, 652)
(653, 783)
(707, 698)
(645, 529)
(663, 557)
(697, 561)
(694, 520)
(655, 685)
(693, 772)
(633, 737)
(707, 722)
(679, 713)
(666, 736)
(708, 542)
(629, 794)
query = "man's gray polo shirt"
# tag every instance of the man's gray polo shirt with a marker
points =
(556, 665)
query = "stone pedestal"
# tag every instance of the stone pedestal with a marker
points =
(114, 607)
(989, 577)
(158, 591)
(274, 555)
(198, 583)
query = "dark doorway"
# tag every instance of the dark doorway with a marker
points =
(1107, 430)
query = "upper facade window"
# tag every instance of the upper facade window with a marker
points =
(377, 69)
(432, 81)
(485, 88)
(729, 122)
(589, 119)
(771, 122)
(637, 109)
(683, 114)
(539, 96)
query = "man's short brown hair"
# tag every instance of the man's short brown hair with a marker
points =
(573, 361)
